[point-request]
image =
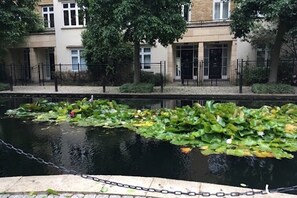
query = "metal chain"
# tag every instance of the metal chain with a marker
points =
(164, 191)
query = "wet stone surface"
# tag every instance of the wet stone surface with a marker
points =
(66, 195)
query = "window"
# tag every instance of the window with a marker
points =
(145, 57)
(78, 61)
(186, 12)
(221, 9)
(73, 15)
(48, 16)
(263, 55)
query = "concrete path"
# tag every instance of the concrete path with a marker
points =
(77, 187)
(170, 89)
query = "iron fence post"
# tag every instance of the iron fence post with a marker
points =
(42, 69)
(197, 81)
(39, 78)
(56, 83)
(165, 65)
(14, 75)
(240, 76)
(60, 68)
(104, 81)
(78, 71)
(10, 83)
(161, 76)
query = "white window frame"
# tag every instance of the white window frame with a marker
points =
(76, 9)
(221, 9)
(78, 55)
(189, 12)
(267, 54)
(48, 12)
(142, 53)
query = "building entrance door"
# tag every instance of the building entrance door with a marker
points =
(215, 63)
(187, 64)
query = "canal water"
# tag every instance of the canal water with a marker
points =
(101, 151)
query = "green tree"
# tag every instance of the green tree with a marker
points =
(264, 35)
(135, 22)
(248, 13)
(17, 18)
(105, 50)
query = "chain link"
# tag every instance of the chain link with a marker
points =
(163, 191)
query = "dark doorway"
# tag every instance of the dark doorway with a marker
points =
(215, 63)
(186, 64)
(52, 62)
(25, 69)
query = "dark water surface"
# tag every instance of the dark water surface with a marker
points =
(103, 151)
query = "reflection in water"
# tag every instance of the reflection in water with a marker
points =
(122, 152)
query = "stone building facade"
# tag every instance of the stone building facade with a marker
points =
(207, 50)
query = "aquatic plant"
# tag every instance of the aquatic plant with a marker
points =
(216, 128)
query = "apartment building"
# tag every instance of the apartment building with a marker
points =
(36, 55)
(207, 50)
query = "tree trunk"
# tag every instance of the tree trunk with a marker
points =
(136, 62)
(275, 55)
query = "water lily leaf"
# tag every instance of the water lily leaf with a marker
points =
(214, 128)
(217, 128)
(290, 128)
(209, 106)
(186, 150)
(263, 154)
(221, 121)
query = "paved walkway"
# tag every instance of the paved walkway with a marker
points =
(169, 89)
(71, 186)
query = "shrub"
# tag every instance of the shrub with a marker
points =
(4, 86)
(252, 75)
(151, 78)
(147, 77)
(137, 88)
(285, 73)
(74, 78)
(273, 89)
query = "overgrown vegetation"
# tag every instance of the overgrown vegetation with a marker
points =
(137, 88)
(131, 22)
(151, 78)
(259, 73)
(17, 19)
(216, 128)
(279, 13)
(4, 86)
(271, 88)
(253, 75)
(74, 78)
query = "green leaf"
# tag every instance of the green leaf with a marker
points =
(51, 192)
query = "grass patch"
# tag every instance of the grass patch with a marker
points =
(137, 88)
(271, 88)
(4, 86)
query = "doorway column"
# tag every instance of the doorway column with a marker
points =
(170, 63)
(33, 65)
(200, 62)
(233, 59)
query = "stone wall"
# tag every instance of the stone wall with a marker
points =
(201, 10)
